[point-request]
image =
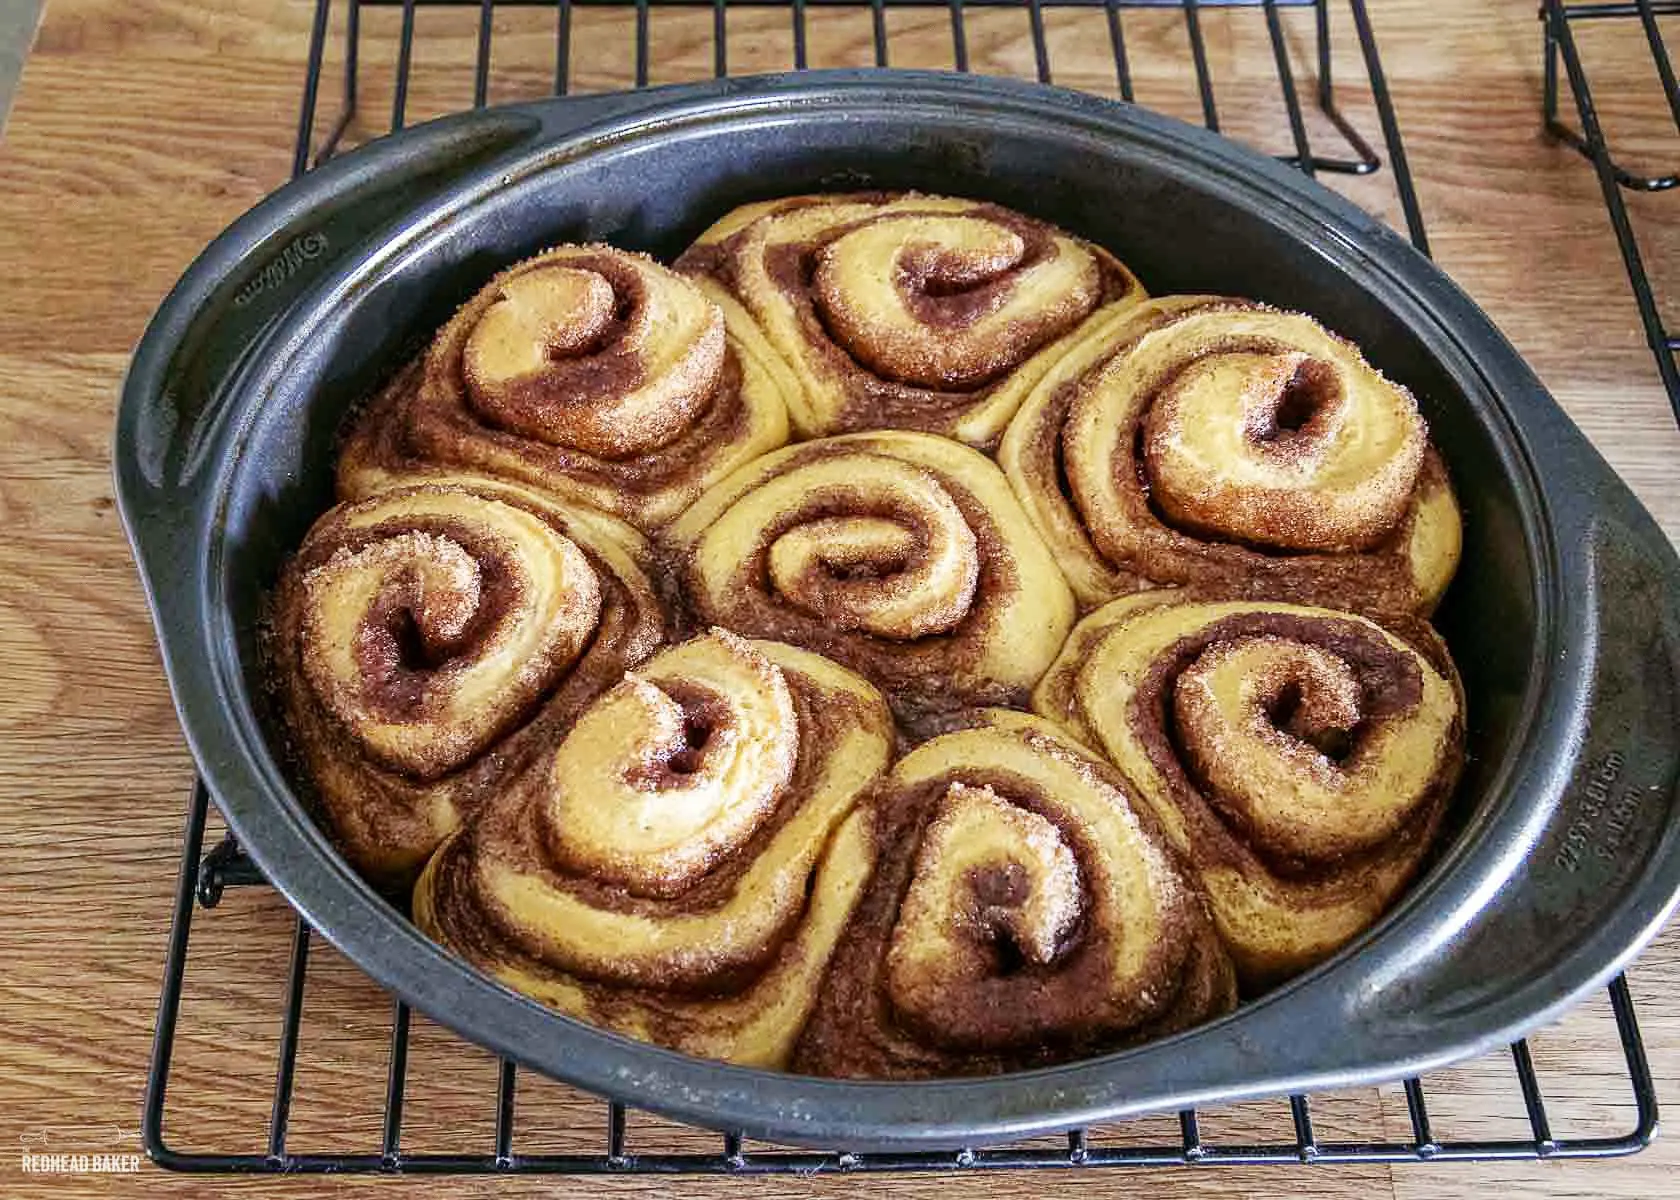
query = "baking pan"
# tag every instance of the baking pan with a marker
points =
(1562, 857)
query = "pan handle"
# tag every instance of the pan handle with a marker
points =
(1581, 864)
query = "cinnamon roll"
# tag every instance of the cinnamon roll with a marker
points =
(590, 372)
(1300, 758)
(902, 555)
(904, 311)
(427, 643)
(1022, 912)
(681, 866)
(1219, 443)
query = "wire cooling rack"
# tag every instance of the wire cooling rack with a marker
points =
(1614, 177)
(614, 1149)
(600, 44)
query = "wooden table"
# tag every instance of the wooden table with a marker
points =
(143, 126)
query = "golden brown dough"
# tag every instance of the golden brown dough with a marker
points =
(1023, 912)
(907, 311)
(902, 555)
(592, 373)
(1299, 758)
(1215, 442)
(428, 642)
(743, 850)
(682, 865)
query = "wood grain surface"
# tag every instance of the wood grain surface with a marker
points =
(143, 126)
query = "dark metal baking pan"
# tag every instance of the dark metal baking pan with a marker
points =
(1563, 857)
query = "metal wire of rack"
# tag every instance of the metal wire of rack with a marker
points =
(204, 876)
(1559, 18)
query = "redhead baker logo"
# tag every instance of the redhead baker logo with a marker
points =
(79, 1150)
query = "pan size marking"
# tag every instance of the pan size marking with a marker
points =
(1603, 816)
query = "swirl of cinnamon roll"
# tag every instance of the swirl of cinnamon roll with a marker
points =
(1023, 911)
(593, 373)
(904, 311)
(1219, 443)
(902, 555)
(1299, 758)
(682, 865)
(429, 642)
